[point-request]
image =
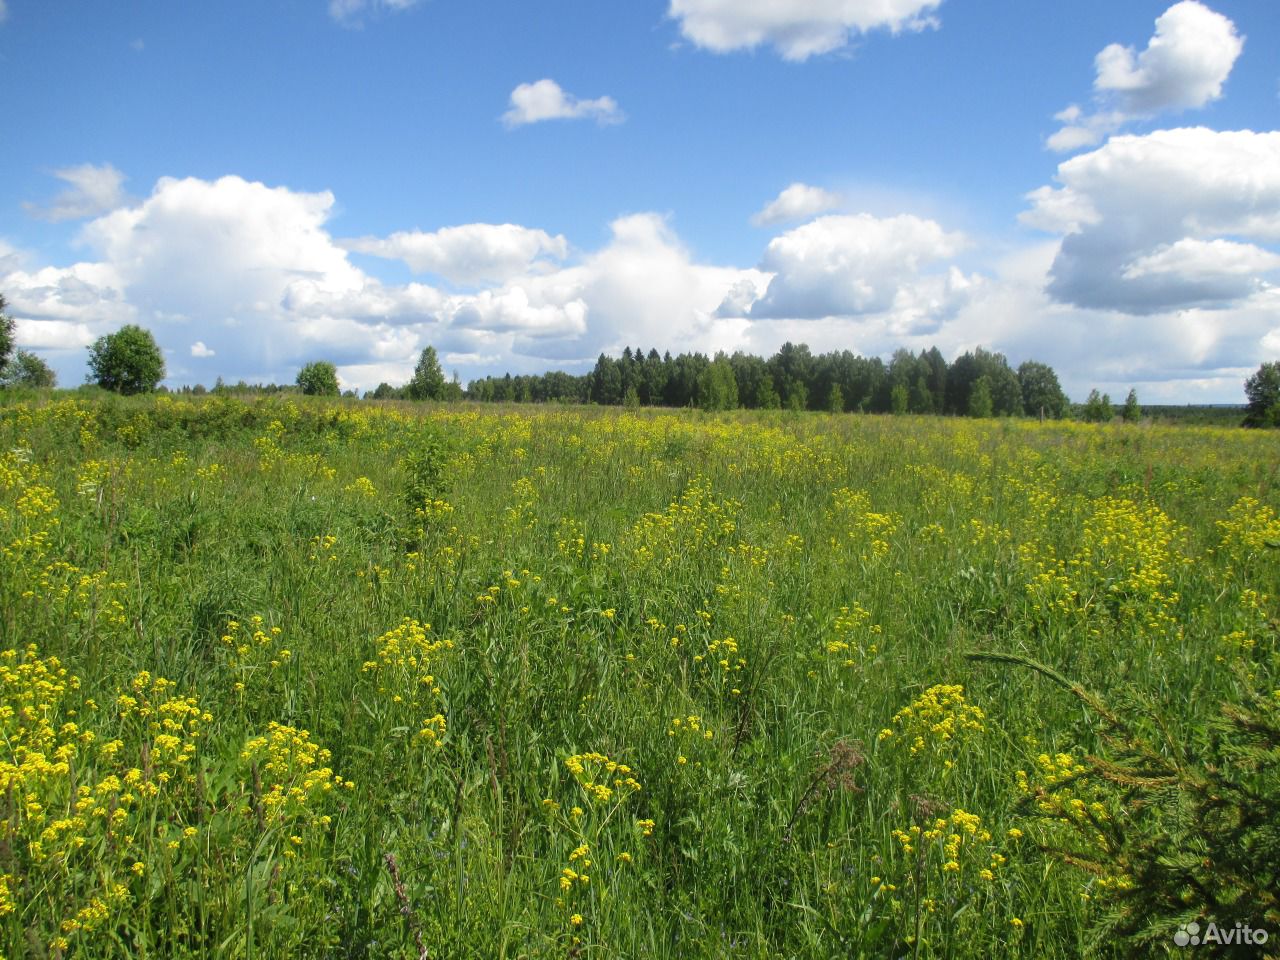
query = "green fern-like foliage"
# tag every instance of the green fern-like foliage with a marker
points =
(1170, 831)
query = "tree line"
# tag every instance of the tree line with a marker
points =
(978, 383)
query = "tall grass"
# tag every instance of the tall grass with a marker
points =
(291, 678)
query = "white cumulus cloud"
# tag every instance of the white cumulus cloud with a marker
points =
(249, 274)
(1178, 356)
(1203, 260)
(512, 311)
(797, 30)
(246, 270)
(642, 288)
(645, 288)
(53, 334)
(1162, 269)
(92, 190)
(545, 100)
(799, 201)
(1184, 66)
(1160, 222)
(83, 293)
(227, 247)
(1185, 63)
(858, 265)
(468, 254)
(407, 304)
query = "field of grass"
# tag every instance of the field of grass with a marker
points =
(282, 678)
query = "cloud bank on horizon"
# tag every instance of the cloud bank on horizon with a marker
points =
(1147, 257)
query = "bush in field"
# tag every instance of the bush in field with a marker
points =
(27, 370)
(127, 361)
(319, 378)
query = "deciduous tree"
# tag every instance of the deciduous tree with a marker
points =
(27, 370)
(319, 378)
(1097, 408)
(1041, 393)
(980, 404)
(1263, 392)
(1131, 413)
(428, 379)
(127, 361)
(717, 386)
(6, 334)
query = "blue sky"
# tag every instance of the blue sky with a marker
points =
(1094, 185)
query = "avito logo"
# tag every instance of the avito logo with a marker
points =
(1189, 935)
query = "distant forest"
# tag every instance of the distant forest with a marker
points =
(978, 383)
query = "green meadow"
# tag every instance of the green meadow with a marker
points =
(286, 677)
